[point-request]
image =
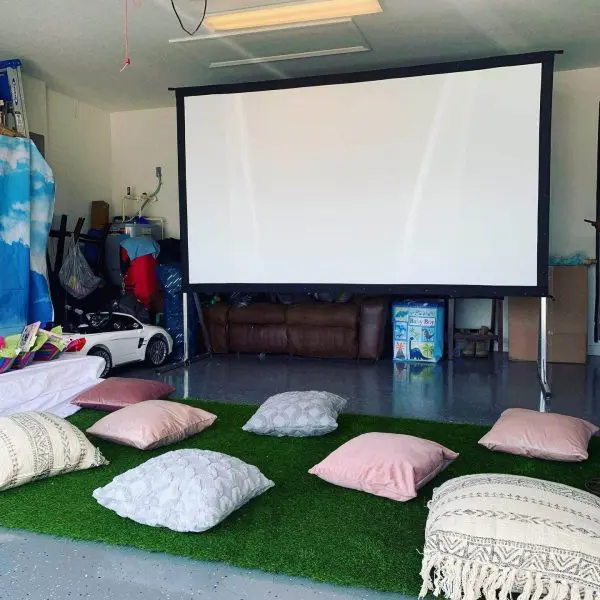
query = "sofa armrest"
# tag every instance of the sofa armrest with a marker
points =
(216, 318)
(371, 333)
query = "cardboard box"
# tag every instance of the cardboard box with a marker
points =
(567, 319)
(99, 218)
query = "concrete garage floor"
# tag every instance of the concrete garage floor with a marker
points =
(462, 391)
(38, 567)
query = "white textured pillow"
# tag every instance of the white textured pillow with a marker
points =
(183, 490)
(297, 414)
(513, 535)
(36, 445)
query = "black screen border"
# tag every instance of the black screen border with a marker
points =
(546, 59)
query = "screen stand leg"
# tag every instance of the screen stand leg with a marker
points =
(186, 333)
(187, 359)
(545, 391)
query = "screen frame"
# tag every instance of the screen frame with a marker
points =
(545, 59)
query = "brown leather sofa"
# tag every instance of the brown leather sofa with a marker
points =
(324, 330)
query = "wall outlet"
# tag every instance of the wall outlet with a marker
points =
(159, 172)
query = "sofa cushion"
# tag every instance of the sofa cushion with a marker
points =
(261, 313)
(322, 342)
(323, 315)
(270, 339)
(496, 535)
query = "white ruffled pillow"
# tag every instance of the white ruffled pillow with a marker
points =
(297, 414)
(183, 490)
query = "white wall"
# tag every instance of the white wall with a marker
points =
(36, 105)
(141, 141)
(574, 140)
(77, 139)
(574, 165)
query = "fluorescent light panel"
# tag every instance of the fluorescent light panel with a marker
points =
(290, 13)
(292, 56)
(237, 32)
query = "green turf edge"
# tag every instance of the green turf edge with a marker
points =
(303, 526)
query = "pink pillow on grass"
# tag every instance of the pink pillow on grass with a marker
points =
(152, 424)
(540, 435)
(385, 464)
(118, 392)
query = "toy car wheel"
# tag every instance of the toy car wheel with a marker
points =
(157, 351)
(105, 354)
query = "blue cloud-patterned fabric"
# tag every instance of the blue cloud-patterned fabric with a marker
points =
(26, 210)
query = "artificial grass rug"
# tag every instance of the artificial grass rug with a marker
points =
(303, 526)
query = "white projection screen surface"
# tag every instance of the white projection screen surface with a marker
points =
(427, 182)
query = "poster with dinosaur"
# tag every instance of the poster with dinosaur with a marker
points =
(418, 331)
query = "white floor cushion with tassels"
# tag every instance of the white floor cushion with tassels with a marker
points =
(496, 535)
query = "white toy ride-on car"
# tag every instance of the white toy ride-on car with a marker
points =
(119, 339)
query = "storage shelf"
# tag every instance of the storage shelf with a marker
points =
(495, 332)
(476, 337)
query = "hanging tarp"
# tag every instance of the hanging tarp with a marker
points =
(26, 210)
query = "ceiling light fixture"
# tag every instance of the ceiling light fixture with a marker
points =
(290, 13)
(238, 32)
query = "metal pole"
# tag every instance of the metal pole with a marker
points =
(545, 392)
(186, 344)
(202, 323)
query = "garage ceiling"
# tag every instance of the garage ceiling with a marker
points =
(77, 46)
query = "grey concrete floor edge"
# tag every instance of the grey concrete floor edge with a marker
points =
(42, 567)
(37, 567)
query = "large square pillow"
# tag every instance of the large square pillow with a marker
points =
(385, 464)
(152, 424)
(540, 435)
(297, 414)
(117, 392)
(503, 536)
(183, 490)
(36, 445)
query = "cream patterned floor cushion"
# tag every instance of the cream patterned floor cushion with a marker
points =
(36, 445)
(493, 535)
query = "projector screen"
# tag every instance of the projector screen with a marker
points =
(420, 180)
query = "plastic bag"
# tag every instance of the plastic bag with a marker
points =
(76, 276)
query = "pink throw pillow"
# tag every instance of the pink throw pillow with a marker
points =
(118, 392)
(540, 435)
(152, 424)
(385, 464)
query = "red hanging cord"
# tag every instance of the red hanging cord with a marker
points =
(126, 59)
